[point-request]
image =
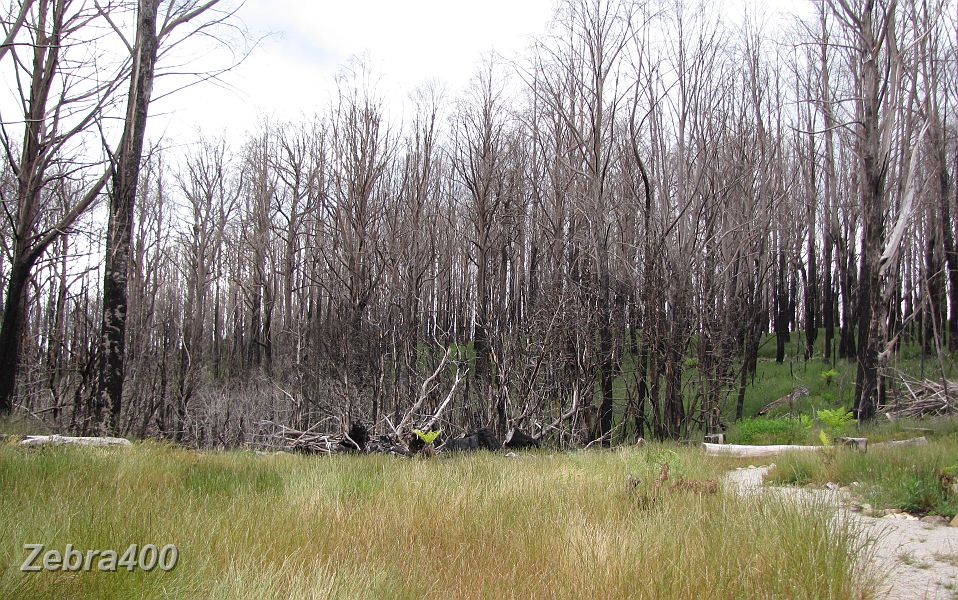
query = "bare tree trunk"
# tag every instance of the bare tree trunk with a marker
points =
(877, 87)
(781, 307)
(14, 311)
(120, 227)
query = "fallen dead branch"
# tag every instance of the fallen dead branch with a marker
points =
(276, 436)
(919, 399)
(427, 388)
(309, 441)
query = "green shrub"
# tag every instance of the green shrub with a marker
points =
(829, 376)
(917, 493)
(761, 430)
(834, 423)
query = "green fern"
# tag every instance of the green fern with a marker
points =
(837, 420)
(829, 376)
(429, 436)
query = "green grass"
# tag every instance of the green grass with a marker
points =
(830, 384)
(759, 431)
(477, 526)
(881, 430)
(791, 430)
(774, 380)
(908, 479)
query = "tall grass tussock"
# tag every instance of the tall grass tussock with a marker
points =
(478, 526)
(918, 480)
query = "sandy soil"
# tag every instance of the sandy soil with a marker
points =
(919, 560)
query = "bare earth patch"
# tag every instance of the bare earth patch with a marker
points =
(919, 560)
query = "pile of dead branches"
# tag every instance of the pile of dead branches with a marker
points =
(917, 399)
(276, 436)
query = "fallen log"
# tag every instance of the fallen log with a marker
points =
(918, 441)
(787, 400)
(62, 440)
(741, 451)
(518, 440)
(482, 439)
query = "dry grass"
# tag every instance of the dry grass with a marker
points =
(914, 479)
(947, 558)
(537, 526)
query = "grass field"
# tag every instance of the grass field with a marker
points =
(478, 526)
(910, 479)
(563, 525)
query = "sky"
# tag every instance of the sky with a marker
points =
(303, 44)
(291, 72)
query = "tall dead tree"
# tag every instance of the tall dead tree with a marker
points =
(587, 92)
(151, 29)
(119, 233)
(480, 140)
(61, 103)
(870, 29)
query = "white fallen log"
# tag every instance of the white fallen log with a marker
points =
(63, 440)
(918, 441)
(742, 451)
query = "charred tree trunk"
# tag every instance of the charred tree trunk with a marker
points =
(605, 357)
(828, 301)
(811, 277)
(781, 310)
(120, 227)
(14, 311)
(872, 132)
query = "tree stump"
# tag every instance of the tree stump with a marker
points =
(860, 444)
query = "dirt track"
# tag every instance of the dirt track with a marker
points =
(919, 560)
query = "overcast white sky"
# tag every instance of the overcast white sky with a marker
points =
(407, 42)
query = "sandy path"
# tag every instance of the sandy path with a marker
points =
(920, 560)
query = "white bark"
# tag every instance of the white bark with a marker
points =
(62, 440)
(753, 451)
